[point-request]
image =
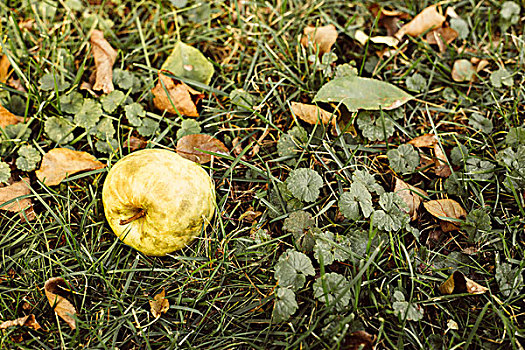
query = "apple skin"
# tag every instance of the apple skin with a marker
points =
(176, 195)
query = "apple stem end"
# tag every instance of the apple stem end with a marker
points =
(138, 215)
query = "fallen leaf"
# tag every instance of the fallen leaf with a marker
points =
(388, 19)
(58, 163)
(359, 340)
(463, 71)
(16, 190)
(159, 304)
(8, 118)
(411, 195)
(312, 114)
(189, 147)
(482, 64)
(427, 140)
(16, 84)
(362, 37)
(135, 143)
(55, 289)
(442, 36)
(178, 99)
(441, 168)
(427, 19)
(185, 61)
(323, 38)
(26, 321)
(105, 57)
(445, 209)
(4, 68)
(458, 283)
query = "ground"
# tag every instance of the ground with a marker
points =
(310, 248)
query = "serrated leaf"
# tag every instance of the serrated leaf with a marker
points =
(111, 101)
(59, 130)
(479, 169)
(107, 146)
(28, 158)
(375, 127)
(409, 311)
(329, 248)
(134, 113)
(332, 287)
(458, 154)
(5, 172)
(510, 12)
(393, 215)
(285, 304)
(299, 223)
(305, 184)
(368, 180)
(185, 61)
(510, 281)
(477, 220)
(292, 268)
(362, 93)
(501, 77)
(105, 129)
(403, 159)
(89, 114)
(71, 103)
(148, 127)
(416, 82)
(188, 127)
(123, 78)
(356, 198)
(49, 81)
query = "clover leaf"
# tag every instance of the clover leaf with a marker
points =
(111, 101)
(50, 81)
(292, 268)
(288, 144)
(188, 127)
(305, 184)
(329, 248)
(285, 304)
(89, 114)
(5, 172)
(134, 113)
(357, 197)
(393, 215)
(332, 287)
(403, 159)
(345, 70)
(416, 82)
(375, 128)
(123, 78)
(71, 103)
(368, 180)
(59, 130)
(28, 158)
(510, 13)
(404, 309)
(148, 127)
(509, 280)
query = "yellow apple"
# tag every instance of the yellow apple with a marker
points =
(156, 201)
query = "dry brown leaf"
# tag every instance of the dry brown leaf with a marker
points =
(458, 283)
(105, 57)
(427, 140)
(16, 190)
(58, 163)
(159, 304)
(55, 289)
(442, 36)
(411, 195)
(4, 68)
(462, 70)
(188, 147)
(26, 321)
(8, 118)
(387, 18)
(16, 84)
(359, 340)
(482, 64)
(445, 209)
(178, 99)
(441, 167)
(323, 38)
(362, 37)
(135, 143)
(427, 19)
(312, 114)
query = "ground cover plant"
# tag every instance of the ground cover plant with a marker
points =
(368, 160)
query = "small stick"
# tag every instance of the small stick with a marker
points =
(140, 214)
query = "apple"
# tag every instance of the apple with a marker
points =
(156, 201)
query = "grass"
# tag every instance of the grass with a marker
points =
(221, 289)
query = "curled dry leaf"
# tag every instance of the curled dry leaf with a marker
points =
(4, 68)
(388, 19)
(481, 65)
(16, 190)
(411, 195)
(442, 36)
(359, 340)
(159, 304)
(445, 209)
(427, 19)
(8, 118)
(312, 114)
(26, 321)
(55, 289)
(427, 140)
(58, 163)
(105, 57)
(178, 98)
(458, 283)
(323, 38)
(190, 147)
(462, 70)
(362, 37)
(441, 167)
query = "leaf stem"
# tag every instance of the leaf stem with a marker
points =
(140, 214)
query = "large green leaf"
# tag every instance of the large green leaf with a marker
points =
(186, 61)
(362, 93)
